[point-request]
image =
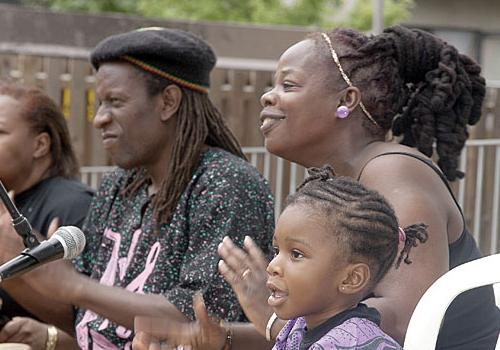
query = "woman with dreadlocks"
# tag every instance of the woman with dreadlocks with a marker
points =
(341, 238)
(182, 185)
(337, 97)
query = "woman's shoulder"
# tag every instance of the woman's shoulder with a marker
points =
(72, 189)
(399, 164)
(410, 180)
(389, 153)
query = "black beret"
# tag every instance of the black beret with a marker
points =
(175, 54)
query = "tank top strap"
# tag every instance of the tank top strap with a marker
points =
(428, 163)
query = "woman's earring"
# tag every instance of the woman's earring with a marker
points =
(342, 112)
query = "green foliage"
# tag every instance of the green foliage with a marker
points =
(300, 12)
(395, 11)
(93, 6)
(319, 13)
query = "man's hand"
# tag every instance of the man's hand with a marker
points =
(203, 334)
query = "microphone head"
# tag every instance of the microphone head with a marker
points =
(72, 239)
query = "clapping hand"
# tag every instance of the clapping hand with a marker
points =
(245, 270)
(25, 330)
(205, 333)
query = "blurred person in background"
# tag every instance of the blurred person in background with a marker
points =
(38, 166)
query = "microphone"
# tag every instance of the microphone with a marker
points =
(19, 222)
(66, 243)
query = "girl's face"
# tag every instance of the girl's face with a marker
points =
(299, 112)
(308, 268)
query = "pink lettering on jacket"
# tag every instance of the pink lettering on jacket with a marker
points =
(116, 268)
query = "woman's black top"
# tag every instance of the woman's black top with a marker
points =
(472, 321)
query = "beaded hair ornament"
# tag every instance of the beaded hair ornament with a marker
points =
(344, 76)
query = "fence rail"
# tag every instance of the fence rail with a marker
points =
(481, 209)
(479, 192)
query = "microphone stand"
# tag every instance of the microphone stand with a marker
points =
(19, 222)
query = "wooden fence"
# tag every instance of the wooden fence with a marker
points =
(237, 85)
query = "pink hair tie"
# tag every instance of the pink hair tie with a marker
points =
(402, 234)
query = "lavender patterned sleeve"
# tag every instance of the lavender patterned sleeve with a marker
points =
(355, 333)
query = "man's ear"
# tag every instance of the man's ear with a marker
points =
(357, 278)
(171, 98)
(42, 145)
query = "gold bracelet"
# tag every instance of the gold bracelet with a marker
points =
(51, 337)
(229, 337)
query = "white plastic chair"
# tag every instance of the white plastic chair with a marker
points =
(426, 320)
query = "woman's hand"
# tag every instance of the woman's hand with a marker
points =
(245, 271)
(203, 334)
(25, 330)
(11, 244)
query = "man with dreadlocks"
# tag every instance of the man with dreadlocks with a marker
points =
(182, 185)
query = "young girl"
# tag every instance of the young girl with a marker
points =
(333, 243)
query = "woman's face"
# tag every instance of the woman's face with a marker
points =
(299, 112)
(17, 144)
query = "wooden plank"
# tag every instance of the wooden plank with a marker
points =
(236, 104)
(477, 131)
(55, 68)
(216, 79)
(495, 112)
(76, 90)
(30, 66)
(96, 155)
(494, 109)
(8, 63)
(490, 104)
(259, 81)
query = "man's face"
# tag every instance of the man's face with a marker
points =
(128, 117)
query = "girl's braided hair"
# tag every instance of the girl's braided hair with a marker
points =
(360, 219)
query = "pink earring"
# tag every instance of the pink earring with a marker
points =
(402, 234)
(342, 112)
